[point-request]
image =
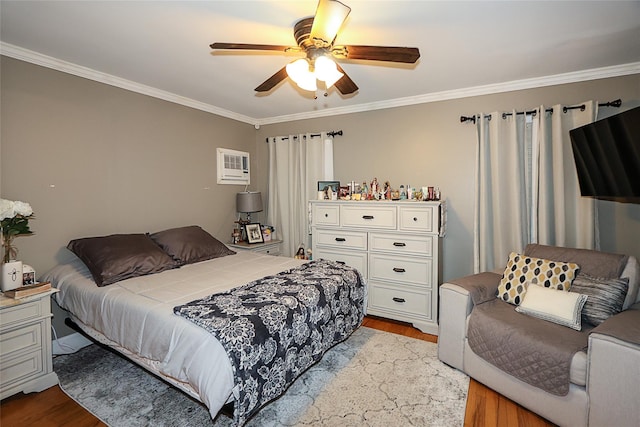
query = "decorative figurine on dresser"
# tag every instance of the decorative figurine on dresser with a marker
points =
(396, 245)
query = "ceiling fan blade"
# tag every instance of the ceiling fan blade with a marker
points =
(345, 85)
(246, 46)
(329, 17)
(407, 55)
(272, 81)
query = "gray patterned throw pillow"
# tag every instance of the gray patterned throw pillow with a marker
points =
(605, 296)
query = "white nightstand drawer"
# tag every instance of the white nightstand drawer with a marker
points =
(342, 239)
(326, 215)
(269, 250)
(28, 338)
(402, 244)
(380, 217)
(418, 219)
(357, 260)
(400, 300)
(400, 269)
(20, 368)
(10, 316)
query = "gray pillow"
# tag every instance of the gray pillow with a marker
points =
(605, 296)
(120, 256)
(186, 245)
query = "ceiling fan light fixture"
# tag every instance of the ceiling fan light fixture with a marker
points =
(299, 72)
(327, 71)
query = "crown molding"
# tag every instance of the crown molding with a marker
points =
(572, 77)
(26, 55)
(88, 73)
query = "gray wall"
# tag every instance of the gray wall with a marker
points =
(427, 145)
(92, 159)
(124, 162)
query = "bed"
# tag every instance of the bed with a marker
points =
(135, 314)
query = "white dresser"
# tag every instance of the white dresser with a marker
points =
(395, 245)
(25, 345)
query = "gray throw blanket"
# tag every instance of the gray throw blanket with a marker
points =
(533, 350)
(276, 327)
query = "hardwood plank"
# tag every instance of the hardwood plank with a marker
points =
(53, 408)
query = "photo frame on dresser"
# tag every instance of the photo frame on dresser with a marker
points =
(254, 233)
(335, 185)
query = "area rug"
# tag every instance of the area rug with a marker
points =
(373, 378)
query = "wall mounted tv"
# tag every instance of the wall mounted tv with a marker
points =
(607, 157)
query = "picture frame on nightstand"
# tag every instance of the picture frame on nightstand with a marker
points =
(254, 233)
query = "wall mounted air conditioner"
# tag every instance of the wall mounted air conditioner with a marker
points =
(233, 167)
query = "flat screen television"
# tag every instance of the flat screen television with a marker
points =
(607, 157)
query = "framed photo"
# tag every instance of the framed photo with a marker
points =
(335, 185)
(254, 233)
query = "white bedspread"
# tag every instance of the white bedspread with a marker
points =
(136, 317)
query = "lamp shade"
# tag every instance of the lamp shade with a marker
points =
(299, 72)
(327, 71)
(249, 201)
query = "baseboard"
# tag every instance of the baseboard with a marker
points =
(70, 344)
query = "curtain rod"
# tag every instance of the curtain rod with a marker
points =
(332, 133)
(617, 103)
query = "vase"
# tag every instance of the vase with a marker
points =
(11, 275)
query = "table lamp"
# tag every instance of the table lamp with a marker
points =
(248, 202)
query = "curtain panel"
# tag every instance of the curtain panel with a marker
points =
(296, 164)
(526, 184)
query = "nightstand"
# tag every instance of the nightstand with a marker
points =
(272, 247)
(25, 344)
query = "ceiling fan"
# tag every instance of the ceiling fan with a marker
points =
(315, 37)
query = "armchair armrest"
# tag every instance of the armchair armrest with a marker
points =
(613, 380)
(457, 298)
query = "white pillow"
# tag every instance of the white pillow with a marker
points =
(563, 308)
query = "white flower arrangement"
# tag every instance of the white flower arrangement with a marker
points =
(14, 220)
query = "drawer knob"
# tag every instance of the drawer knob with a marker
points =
(415, 218)
(367, 216)
(396, 299)
(326, 215)
(399, 244)
(399, 270)
(340, 239)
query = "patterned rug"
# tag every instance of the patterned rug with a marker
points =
(373, 378)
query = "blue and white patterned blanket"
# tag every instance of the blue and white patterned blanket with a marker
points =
(276, 327)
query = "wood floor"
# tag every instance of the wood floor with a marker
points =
(53, 408)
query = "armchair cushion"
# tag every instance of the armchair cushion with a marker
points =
(606, 296)
(522, 270)
(563, 308)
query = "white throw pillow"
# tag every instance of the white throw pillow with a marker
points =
(563, 308)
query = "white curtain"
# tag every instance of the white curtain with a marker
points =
(296, 164)
(502, 181)
(564, 217)
(526, 185)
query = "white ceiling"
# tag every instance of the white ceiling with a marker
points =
(467, 48)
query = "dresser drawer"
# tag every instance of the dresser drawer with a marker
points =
(402, 244)
(326, 214)
(402, 269)
(27, 338)
(372, 217)
(19, 368)
(423, 219)
(403, 300)
(342, 239)
(357, 260)
(10, 316)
